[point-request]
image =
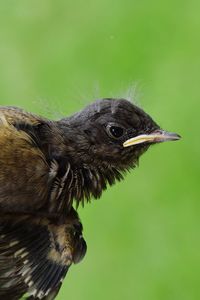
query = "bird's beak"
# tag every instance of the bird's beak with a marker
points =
(154, 137)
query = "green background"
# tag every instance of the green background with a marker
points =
(57, 56)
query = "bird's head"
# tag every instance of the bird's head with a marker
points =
(113, 133)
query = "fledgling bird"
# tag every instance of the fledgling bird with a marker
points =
(47, 168)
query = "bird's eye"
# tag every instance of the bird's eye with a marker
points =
(115, 131)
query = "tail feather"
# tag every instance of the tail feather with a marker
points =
(35, 255)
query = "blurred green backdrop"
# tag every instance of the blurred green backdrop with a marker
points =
(56, 56)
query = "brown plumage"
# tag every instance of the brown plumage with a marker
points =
(46, 166)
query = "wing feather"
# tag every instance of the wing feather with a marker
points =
(35, 255)
(24, 171)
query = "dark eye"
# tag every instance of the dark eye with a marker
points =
(115, 131)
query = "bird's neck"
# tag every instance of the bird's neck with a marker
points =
(75, 174)
(79, 183)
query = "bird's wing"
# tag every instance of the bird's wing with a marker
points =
(35, 255)
(24, 171)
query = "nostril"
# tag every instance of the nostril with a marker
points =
(131, 132)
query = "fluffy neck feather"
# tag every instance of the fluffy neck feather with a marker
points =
(80, 184)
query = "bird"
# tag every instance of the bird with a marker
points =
(47, 169)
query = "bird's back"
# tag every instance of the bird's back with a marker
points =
(23, 166)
